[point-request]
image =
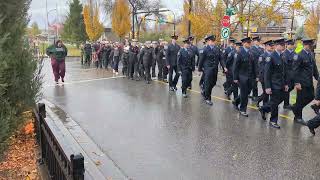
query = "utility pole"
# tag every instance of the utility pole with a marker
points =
(189, 22)
(133, 14)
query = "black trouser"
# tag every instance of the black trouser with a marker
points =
(87, 59)
(131, 68)
(304, 97)
(287, 95)
(125, 67)
(264, 97)
(186, 77)
(160, 69)
(146, 67)
(210, 80)
(233, 89)
(115, 63)
(201, 82)
(245, 89)
(154, 62)
(229, 80)
(105, 62)
(276, 98)
(165, 71)
(314, 122)
(173, 81)
(254, 88)
(99, 62)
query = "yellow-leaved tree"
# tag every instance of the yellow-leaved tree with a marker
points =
(94, 27)
(121, 18)
(312, 23)
(202, 18)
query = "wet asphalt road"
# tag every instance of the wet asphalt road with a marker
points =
(152, 134)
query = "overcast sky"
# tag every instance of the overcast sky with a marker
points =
(37, 10)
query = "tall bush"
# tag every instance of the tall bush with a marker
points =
(20, 79)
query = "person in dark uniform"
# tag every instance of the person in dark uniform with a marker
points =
(233, 89)
(146, 55)
(304, 68)
(209, 64)
(269, 48)
(288, 59)
(154, 58)
(106, 55)
(159, 56)
(133, 58)
(315, 122)
(125, 60)
(226, 53)
(87, 54)
(201, 82)
(186, 65)
(243, 74)
(195, 57)
(275, 81)
(171, 61)
(256, 52)
(165, 68)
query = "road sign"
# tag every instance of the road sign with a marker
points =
(231, 11)
(242, 19)
(225, 33)
(225, 21)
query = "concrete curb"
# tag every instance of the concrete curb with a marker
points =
(98, 165)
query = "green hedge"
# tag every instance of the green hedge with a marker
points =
(20, 81)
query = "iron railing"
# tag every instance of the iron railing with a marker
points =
(53, 156)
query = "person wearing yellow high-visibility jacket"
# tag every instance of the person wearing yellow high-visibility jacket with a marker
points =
(299, 47)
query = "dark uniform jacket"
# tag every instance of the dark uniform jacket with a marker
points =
(87, 49)
(304, 67)
(275, 74)
(226, 53)
(185, 59)
(261, 65)
(146, 55)
(210, 58)
(230, 60)
(195, 52)
(171, 54)
(244, 67)
(133, 54)
(288, 60)
(256, 53)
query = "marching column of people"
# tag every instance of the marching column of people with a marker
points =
(246, 64)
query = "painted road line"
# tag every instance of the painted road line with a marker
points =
(227, 100)
(84, 81)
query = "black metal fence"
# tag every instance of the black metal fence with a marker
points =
(59, 166)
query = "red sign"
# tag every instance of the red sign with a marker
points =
(225, 21)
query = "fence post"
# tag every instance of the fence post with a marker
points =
(41, 114)
(77, 166)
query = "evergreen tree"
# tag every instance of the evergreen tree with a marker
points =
(20, 81)
(74, 28)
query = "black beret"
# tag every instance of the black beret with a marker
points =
(280, 41)
(269, 43)
(246, 39)
(210, 37)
